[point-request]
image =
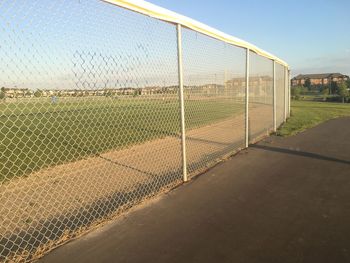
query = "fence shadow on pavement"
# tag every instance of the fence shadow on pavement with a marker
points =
(299, 153)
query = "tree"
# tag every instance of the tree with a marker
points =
(307, 84)
(2, 95)
(325, 92)
(38, 93)
(137, 92)
(296, 91)
(334, 87)
(348, 83)
(303, 90)
(343, 91)
(108, 93)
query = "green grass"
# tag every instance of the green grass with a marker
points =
(35, 134)
(307, 114)
(316, 97)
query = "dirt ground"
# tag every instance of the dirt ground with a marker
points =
(41, 206)
(282, 200)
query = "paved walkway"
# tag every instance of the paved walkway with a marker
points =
(283, 200)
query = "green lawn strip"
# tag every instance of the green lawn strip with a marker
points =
(307, 114)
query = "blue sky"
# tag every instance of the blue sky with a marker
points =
(311, 35)
(56, 44)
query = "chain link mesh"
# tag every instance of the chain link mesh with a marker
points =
(214, 91)
(280, 93)
(90, 119)
(90, 123)
(260, 96)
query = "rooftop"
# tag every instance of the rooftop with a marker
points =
(319, 76)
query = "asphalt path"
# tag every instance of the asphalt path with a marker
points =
(282, 200)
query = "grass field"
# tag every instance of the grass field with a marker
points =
(307, 114)
(38, 134)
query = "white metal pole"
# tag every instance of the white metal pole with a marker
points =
(182, 104)
(289, 91)
(285, 94)
(274, 98)
(247, 99)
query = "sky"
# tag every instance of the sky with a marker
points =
(312, 36)
(91, 44)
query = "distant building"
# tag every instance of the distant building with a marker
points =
(319, 79)
(17, 92)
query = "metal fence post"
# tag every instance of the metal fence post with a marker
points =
(285, 94)
(289, 91)
(274, 98)
(247, 99)
(182, 104)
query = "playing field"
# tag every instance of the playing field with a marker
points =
(37, 133)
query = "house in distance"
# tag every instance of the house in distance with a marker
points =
(319, 79)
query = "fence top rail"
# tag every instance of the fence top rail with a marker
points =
(158, 12)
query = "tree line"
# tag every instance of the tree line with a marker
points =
(334, 90)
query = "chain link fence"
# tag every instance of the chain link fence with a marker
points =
(281, 91)
(260, 96)
(90, 114)
(214, 99)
